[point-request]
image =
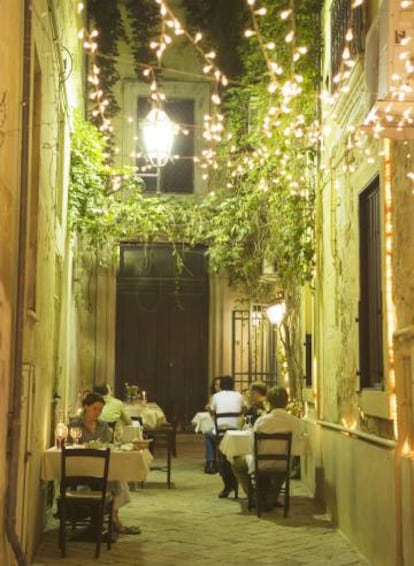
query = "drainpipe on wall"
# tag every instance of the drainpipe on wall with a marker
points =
(14, 422)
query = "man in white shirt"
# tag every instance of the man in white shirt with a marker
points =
(225, 401)
(277, 420)
(113, 410)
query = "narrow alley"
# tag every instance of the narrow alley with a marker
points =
(189, 525)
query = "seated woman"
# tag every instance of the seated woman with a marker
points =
(95, 429)
(113, 411)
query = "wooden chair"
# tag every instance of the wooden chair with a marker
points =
(162, 447)
(83, 496)
(223, 465)
(272, 453)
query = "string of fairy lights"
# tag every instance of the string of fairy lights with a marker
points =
(298, 132)
(284, 87)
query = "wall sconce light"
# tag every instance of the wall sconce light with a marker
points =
(276, 313)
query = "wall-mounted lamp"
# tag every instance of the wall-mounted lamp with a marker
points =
(276, 313)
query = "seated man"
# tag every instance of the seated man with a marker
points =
(278, 420)
(258, 404)
(113, 410)
(225, 401)
(210, 448)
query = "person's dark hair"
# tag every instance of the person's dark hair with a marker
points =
(92, 398)
(278, 397)
(226, 382)
(259, 386)
(213, 385)
(101, 388)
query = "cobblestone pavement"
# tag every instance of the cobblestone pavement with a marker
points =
(189, 525)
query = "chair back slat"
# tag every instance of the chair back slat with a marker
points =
(222, 423)
(272, 453)
(230, 420)
(84, 482)
(92, 465)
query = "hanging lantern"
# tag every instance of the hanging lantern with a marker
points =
(158, 136)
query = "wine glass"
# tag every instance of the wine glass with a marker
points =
(76, 434)
(118, 434)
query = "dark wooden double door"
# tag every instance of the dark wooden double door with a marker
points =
(162, 327)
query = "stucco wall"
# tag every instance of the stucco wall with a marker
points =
(354, 482)
(357, 479)
(360, 494)
(43, 326)
(10, 134)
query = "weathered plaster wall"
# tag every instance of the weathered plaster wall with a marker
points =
(223, 300)
(10, 94)
(360, 492)
(42, 329)
(45, 326)
(403, 240)
(356, 480)
(95, 311)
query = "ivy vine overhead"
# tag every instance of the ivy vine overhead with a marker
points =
(261, 168)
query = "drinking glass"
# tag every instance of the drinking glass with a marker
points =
(76, 434)
(118, 434)
(247, 422)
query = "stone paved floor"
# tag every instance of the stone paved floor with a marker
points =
(188, 525)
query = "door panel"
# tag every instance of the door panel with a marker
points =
(162, 333)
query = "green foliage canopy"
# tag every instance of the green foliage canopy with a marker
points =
(262, 207)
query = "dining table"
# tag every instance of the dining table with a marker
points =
(202, 422)
(150, 413)
(236, 443)
(240, 443)
(124, 464)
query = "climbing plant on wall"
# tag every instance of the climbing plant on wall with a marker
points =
(262, 205)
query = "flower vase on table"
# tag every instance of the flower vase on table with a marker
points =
(132, 393)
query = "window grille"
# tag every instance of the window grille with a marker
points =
(254, 343)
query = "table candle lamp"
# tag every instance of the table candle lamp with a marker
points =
(61, 434)
(144, 396)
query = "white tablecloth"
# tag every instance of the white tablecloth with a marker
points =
(123, 465)
(236, 443)
(202, 422)
(151, 414)
(239, 443)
